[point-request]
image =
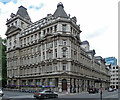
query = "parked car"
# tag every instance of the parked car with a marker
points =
(110, 89)
(93, 90)
(45, 94)
(1, 93)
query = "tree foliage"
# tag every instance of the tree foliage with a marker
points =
(4, 63)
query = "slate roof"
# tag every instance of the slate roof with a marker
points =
(85, 42)
(22, 11)
(60, 12)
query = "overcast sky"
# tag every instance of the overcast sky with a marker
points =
(98, 19)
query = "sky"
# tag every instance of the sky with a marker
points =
(98, 19)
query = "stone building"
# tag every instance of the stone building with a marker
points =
(49, 53)
(114, 76)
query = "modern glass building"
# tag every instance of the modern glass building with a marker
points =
(111, 60)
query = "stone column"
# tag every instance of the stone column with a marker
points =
(53, 49)
(41, 53)
(60, 85)
(77, 85)
(72, 84)
(86, 85)
(41, 33)
(59, 27)
(26, 82)
(34, 82)
(58, 50)
(45, 52)
(68, 85)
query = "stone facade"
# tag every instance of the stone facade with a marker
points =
(49, 53)
(114, 76)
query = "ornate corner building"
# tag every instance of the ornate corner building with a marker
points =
(49, 53)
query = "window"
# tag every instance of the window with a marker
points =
(43, 55)
(39, 48)
(50, 67)
(22, 24)
(28, 51)
(47, 30)
(27, 39)
(15, 22)
(43, 47)
(44, 32)
(55, 67)
(56, 53)
(43, 68)
(38, 82)
(21, 42)
(64, 53)
(39, 34)
(32, 38)
(71, 29)
(32, 50)
(24, 51)
(40, 69)
(64, 27)
(64, 67)
(55, 43)
(55, 28)
(35, 36)
(51, 44)
(50, 29)
(116, 78)
(64, 42)
(14, 53)
(36, 49)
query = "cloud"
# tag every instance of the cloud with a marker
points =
(97, 33)
(36, 7)
(7, 1)
(15, 1)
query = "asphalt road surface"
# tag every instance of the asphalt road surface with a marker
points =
(10, 95)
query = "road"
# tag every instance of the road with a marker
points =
(9, 95)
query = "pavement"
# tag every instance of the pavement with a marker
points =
(66, 93)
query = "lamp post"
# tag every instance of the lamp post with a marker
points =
(100, 89)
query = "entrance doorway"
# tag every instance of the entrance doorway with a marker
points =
(64, 85)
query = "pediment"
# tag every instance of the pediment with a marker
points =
(12, 29)
(64, 73)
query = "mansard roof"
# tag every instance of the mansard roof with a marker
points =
(85, 42)
(22, 11)
(100, 58)
(60, 12)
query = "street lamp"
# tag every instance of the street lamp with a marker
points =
(100, 89)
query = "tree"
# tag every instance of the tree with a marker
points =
(4, 63)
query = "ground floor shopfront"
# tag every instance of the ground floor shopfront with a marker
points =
(58, 83)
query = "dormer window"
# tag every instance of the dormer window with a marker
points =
(44, 32)
(8, 25)
(15, 23)
(32, 38)
(55, 28)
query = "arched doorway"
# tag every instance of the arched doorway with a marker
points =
(64, 85)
